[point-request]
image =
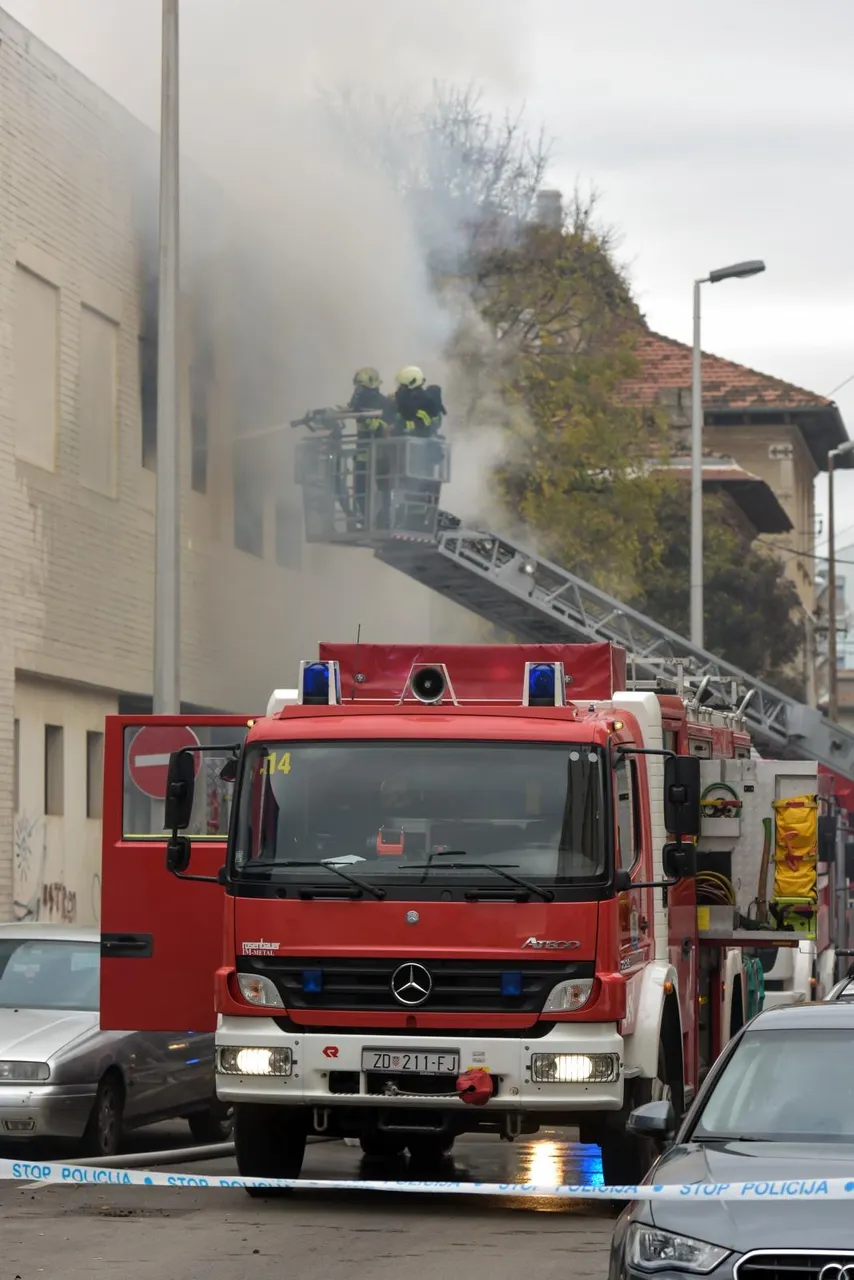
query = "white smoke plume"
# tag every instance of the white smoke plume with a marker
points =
(321, 225)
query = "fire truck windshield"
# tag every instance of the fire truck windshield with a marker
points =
(386, 812)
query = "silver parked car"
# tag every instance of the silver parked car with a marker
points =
(61, 1077)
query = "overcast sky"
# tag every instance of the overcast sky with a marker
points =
(715, 132)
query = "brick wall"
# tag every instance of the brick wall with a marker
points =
(76, 565)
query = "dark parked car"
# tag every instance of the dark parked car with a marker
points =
(62, 1077)
(777, 1105)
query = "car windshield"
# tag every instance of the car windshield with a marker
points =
(39, 974)
(784, 1086)
(437, 812)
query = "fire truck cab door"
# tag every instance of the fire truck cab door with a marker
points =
(161, 937)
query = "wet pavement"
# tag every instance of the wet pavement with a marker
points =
(184, 1234)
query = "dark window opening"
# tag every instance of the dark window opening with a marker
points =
(54, 770)
(148, 401)
(201, 374)
(199, 435)
(288, 536)
(248, 506)
(94, 773)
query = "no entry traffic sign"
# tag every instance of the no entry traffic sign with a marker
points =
(148, 756)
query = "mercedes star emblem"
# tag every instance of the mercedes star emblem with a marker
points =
(411, 984)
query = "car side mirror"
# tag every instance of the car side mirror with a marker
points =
(653, 1120)
(679, 861)
(622, 880)
(178, 854)
(682, 792)
(180, 790)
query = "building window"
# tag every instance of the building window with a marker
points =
(148, 401)
(97, 402)
(16, 768)
(248, 505)
(94, 773)
(200, 375)
(288, 536)
(36, 353)
(54, 770)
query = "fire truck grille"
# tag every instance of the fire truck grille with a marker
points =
(454, 986)
(792, 1265)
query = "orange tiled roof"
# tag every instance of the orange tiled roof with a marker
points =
(666, 365)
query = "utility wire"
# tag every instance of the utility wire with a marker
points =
(801, 555)
(841, 385)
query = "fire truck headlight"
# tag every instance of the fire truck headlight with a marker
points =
(575, 1068)
(235, 1061)
(566, 997)
(258, 990)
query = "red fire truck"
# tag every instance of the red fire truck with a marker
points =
(445, 889)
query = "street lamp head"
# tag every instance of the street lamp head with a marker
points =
(841, 450)
(737, 271)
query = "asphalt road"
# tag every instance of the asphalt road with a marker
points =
(187, 1234)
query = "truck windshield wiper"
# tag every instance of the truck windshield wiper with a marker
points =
(362, 885)
(528, 885)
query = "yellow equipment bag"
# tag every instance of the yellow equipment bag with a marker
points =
(796, 848)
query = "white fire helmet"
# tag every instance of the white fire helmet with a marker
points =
(411, 377)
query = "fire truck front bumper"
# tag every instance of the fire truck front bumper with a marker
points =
(575, 1067)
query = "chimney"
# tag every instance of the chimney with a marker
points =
(550, 209)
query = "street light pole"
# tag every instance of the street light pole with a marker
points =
(167, 572)
(738, 270)
(697, 632)
(832, 622)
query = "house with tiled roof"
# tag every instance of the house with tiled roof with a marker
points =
(778, 432)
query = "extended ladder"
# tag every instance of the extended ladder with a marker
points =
(536, 600)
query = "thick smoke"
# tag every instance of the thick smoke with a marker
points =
(330, 252)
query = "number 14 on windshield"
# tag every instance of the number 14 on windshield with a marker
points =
(276, 762)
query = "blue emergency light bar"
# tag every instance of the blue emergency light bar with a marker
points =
(319, 684)
(545, 685)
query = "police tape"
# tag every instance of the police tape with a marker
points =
(82, 1175)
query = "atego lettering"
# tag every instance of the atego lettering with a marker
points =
(549, 944)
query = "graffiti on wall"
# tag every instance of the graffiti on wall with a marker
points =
(30, 856)
(38, 897)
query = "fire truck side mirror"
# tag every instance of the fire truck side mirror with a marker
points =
(679, 861)
(180, 789)
(178, 854)
(682, 796)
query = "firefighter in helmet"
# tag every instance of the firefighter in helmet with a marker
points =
(419, 414)
(367, 397)
(419, 408)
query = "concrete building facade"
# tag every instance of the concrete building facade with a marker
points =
(78, 482)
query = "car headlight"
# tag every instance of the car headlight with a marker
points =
(24, 1072)
(566, 997)
(652, 1249)
(258, 990)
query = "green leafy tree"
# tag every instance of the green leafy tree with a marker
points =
(576, 472)
(753, 615)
